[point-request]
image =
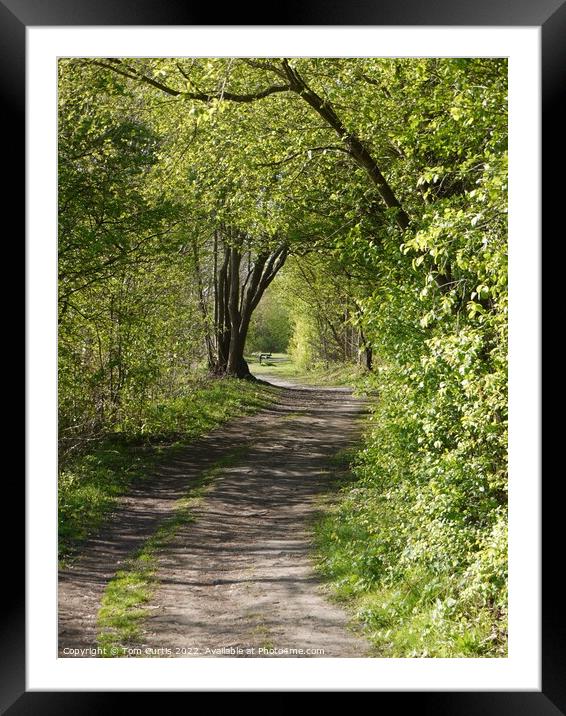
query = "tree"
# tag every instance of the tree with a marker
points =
(240, 282)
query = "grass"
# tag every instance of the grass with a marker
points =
(336, 374)
(331, 374)
(415, 619)
(124, 604)
(91, 483)
(280, 365)
(416, 616)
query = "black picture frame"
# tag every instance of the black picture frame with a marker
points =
(550, 16)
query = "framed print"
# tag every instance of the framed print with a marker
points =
(213, 240)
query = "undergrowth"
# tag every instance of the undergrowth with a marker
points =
(415, 546)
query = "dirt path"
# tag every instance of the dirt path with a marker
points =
(239, 580)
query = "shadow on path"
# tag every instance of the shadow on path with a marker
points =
(241, 572)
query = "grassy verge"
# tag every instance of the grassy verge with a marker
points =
(415, 617)
(336, 374)
(415, 585)
(416, 612)
(124, 603)
(90, 484)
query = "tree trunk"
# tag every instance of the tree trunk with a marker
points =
(238, 292)
(236, 349)
(203, 305)
(366, 345)
(222, 324)
(368, 355)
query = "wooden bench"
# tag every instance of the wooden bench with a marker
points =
(262, 356)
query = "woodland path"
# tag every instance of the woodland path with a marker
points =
(239, 580)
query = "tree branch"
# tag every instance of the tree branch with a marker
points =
(330, 147)
(296, 84)
(355, 146)
(131, 73)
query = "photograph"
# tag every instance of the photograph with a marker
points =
(282, 357)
